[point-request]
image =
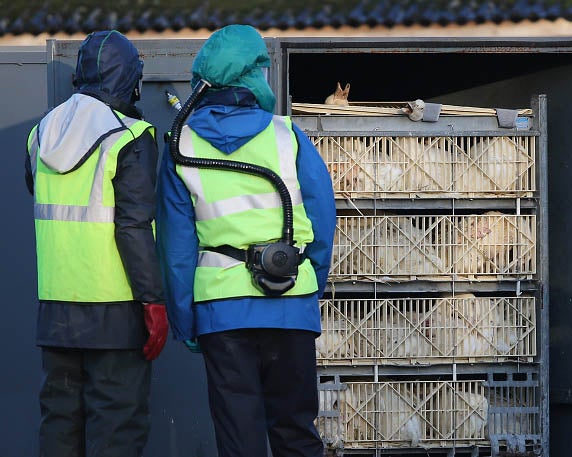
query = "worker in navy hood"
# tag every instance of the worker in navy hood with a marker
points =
(258, 344)
(109, 68)
(90, 165)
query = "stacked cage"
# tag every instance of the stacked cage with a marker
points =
(431, 328)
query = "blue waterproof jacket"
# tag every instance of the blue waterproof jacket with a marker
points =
(228, 119)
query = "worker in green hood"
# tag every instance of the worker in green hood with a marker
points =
(259, 345)
(236, 56)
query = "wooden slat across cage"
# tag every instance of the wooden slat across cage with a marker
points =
(460, 167)
(409, 331)
(392, 108)
(486, 246)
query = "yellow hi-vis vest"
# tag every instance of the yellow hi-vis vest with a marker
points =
(239, 209)
(77, 256)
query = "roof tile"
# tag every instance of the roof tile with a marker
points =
(52, 16)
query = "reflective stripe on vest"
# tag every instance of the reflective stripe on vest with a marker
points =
(95, 211)
(77, 256)
(240, 203)
(223, 217)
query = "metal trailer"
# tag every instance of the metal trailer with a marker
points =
(475, 72)
(392, 380)
(23, 94)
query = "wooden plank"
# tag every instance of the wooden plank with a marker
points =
(392, 109)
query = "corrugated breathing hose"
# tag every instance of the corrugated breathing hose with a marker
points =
(274, 266)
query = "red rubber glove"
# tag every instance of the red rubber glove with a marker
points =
(158, 328)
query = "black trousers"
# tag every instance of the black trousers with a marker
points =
(94, 403)
(262, 384)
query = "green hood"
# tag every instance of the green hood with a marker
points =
(234, 57)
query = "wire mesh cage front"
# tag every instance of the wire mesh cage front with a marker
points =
(490, 245)
(460, 166)
(403, 414)
(362, 415)
(407, 331)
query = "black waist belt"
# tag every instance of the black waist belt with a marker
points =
(238, 254)
(230, 251)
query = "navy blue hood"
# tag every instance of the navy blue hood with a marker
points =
(108, 66)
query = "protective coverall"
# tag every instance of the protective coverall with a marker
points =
(259, 351)
(98, 332)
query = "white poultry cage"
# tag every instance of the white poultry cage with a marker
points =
(438, 226)
(429, 166)
(428, 414)
(411, 331)
(488, 246)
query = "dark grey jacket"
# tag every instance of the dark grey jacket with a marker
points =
(109, 70)
(115, 325)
